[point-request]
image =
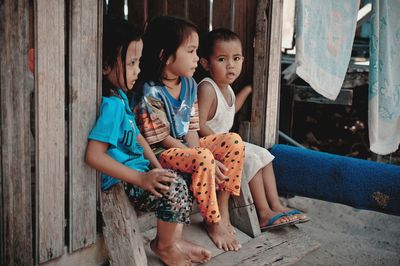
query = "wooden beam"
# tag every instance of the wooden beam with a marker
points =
(16, 86)
(266, 78)
(271, 114)
(308, 94)
(50, 127)
(83, 90)
(261, 55)
(121, 228)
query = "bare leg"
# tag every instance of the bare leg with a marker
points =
(223, 203)
(259, 194)
(271, 192)
(164, 245)
(219, 232)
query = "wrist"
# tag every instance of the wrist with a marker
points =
(141, 178)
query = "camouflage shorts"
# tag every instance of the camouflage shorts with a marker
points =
(173, 207)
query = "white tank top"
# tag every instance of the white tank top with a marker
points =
(224, 114)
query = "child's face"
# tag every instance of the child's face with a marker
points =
(116, 74)
(225, 64)
(184, 62)
(133, 54)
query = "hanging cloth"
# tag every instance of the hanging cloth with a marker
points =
(324, 39)
(384, 77)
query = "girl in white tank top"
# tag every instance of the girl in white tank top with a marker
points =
(222, 58)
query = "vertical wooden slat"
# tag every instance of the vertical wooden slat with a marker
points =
(15, 174)
(157, 8)
(245, 13)
(116, 8)
(177, 8)
(222, 14)
(137, 12)
(50, 126)
(199, 13)
(261, 54)
(83, 89)
(266, 78)
(271, 114)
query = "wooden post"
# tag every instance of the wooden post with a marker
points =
(243, 212)
(84, 72)
(266, 78)
(121, 228)
(271, 114)
(16, 138)
(50, 127)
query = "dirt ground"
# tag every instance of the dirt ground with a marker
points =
(349, 236)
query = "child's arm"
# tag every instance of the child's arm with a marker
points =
(206, 99)
(241, 97)
(170, 142)
(192, 139)
(148, 152)
(97, 158)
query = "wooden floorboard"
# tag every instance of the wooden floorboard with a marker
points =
(279, 247)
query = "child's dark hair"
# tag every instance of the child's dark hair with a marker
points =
(162, 38)
(117, 35)
(209, 40)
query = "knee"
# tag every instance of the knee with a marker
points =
(235, 140)
(202, 156)
(178, 194)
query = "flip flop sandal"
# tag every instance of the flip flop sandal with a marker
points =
(294, 212)
(270, 225)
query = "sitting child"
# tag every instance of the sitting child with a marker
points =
(118, 150)
(221, 56)
(168, 118)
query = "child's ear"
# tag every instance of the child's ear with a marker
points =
(204, 64)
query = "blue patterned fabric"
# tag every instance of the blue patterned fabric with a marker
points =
(384, 77)
(324, 38)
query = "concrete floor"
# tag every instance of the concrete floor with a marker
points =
(349, 236)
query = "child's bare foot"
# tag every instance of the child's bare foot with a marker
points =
(221, 237)
(170, 255)
(229, 226)
(195, 252)
(225, 219)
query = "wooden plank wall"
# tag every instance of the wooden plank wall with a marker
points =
(84, 83)
(16, 145)
(50, 127)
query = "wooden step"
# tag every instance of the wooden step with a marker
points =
(195, 232)
(281, 247)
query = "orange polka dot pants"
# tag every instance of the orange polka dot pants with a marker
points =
(227, 148)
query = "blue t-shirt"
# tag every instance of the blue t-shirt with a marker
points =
(116, 126)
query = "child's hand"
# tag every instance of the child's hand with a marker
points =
(156, 180)
(220, 169)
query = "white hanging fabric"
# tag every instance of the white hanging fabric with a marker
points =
(384, 77)
(324, 39)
